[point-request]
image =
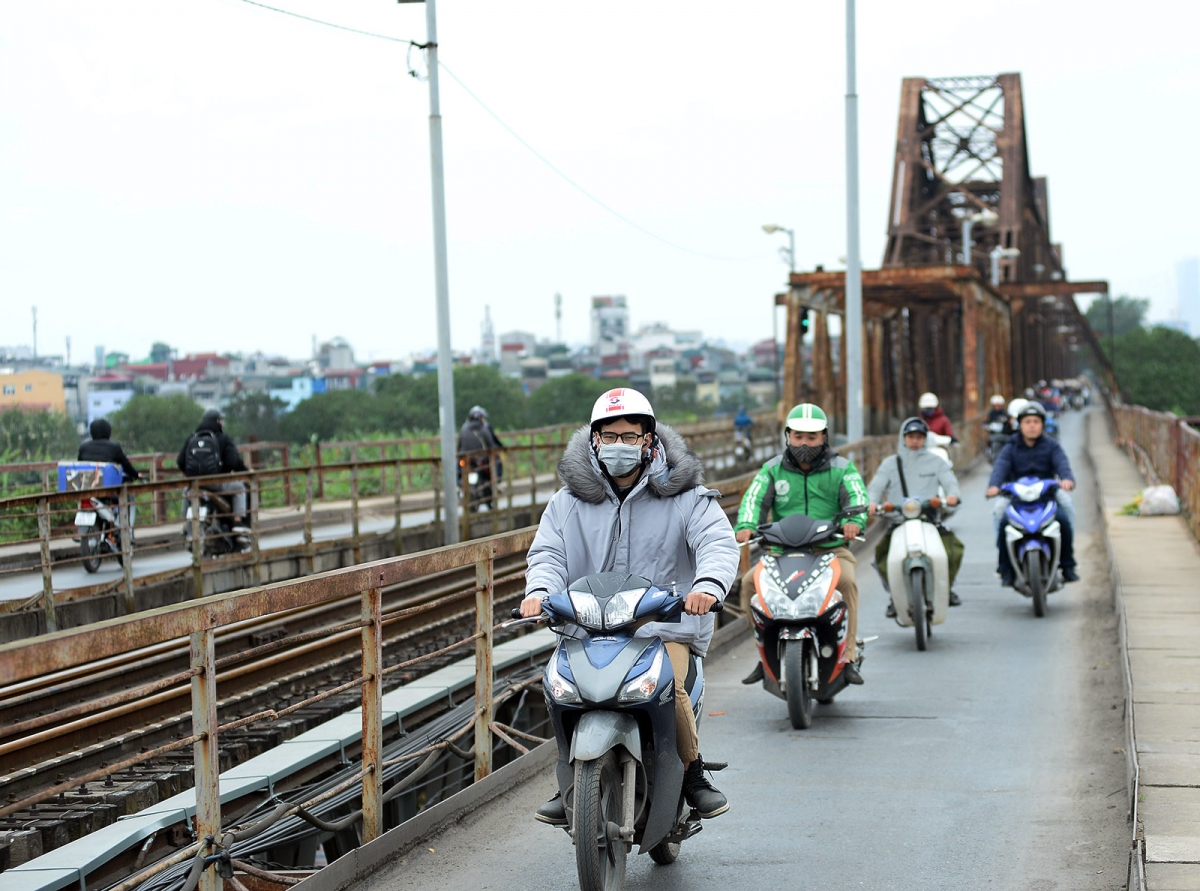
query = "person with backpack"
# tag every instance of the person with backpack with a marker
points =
(208, 452)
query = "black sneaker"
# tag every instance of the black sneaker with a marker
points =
(890, 612)
(553, 812)
(955, 600)
(850, 672)
(755, 676)
(700, 793)
(1007, 579)
(1069, 574)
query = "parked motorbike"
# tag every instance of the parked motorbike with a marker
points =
(1052, 423)
(997, 439)
(1033, 538)
(215, 524)
(611, 697)
(917, 575)
(99, 531)
(800, 619)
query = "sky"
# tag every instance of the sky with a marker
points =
(223, 177)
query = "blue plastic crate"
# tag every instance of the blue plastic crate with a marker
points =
(76, 476)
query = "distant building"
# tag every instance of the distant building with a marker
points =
(108, 393)
(337, 353)
(487, 338)
(33, 389)
(515, 346)
(610, 324)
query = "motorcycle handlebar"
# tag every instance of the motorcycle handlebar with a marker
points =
(717, 607)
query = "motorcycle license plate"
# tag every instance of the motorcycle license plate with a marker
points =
(472, 478)
(85, 518)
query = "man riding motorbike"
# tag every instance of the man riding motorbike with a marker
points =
(915, 472)
(1032, 453)
(933, 415)
(476, 435)
(807, 478)
(633, 501)
(102, 449)
(210, 451)
(998, 411)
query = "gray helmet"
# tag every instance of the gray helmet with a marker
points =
(914, 425)
(1032, 409)
(477, 413)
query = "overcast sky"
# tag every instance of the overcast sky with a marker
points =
(220, 176)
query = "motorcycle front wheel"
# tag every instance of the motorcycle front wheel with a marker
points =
(1037, 581)
(600, 853)
(799, 696)
(916, 606)
(89, 548)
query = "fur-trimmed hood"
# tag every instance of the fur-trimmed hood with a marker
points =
(673, 467)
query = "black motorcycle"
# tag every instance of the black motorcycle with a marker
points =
(215, 524)
(611, 698)
(800, 619)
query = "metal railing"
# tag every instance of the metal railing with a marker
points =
(199, 622)
(1167, 448)
(37, 531)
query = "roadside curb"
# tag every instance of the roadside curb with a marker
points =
(1137, 869)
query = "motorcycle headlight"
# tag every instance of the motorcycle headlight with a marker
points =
(560, 688)
(813, 593)
(621, 607)
(587, 610)
(778, 603)
(911, 509)
(1028, 491)
(644, 685)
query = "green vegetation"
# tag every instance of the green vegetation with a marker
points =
(154, 423)
(1158, 368)
(1128, 314)
(27, 436)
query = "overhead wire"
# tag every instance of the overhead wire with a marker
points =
(517, 136)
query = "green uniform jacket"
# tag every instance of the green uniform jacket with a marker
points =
(781, 489)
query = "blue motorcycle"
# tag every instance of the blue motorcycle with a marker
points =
(611, 697)
(1033, 537)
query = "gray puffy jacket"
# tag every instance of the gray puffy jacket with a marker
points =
(669, 529)
(923, 472)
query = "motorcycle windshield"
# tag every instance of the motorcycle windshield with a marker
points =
(797, 530)
(1031, 517)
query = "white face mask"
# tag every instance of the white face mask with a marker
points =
(620, 459)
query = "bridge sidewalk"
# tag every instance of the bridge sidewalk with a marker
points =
(1157, 568)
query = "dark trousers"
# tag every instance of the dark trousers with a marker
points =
(1066, 559)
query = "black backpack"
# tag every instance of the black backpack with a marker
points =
(202, 454)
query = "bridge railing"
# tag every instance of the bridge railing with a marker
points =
(37, 531)
(1167, 448)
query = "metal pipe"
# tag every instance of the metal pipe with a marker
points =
(445, 358)
(852, 329)
(484, 707)
(205, 752)
(43, 520)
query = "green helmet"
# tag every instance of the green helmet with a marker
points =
(807, 418)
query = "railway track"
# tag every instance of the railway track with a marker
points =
(58, 728)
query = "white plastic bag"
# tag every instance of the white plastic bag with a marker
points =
(1158, 501)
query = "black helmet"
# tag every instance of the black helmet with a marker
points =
(1032, 408)
(211, 420)
(914, 425)
(100, 429)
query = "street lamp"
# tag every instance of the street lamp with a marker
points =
(789, 254)
(1001, 253)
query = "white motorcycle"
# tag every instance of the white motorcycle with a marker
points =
(939, 444)
(918, 570)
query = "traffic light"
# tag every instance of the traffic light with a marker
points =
(803, 322)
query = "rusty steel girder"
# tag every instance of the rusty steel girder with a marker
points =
(934, 318)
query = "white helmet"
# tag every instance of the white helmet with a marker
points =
(1015, 406)
(927, 400)
(619, 403)
(997, 400)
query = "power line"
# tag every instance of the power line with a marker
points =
(620, 216)
(517, 136)
(331, 24)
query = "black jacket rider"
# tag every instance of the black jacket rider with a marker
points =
(231, 459)
(101, 448)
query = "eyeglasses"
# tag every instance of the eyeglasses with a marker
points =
(608, 437)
